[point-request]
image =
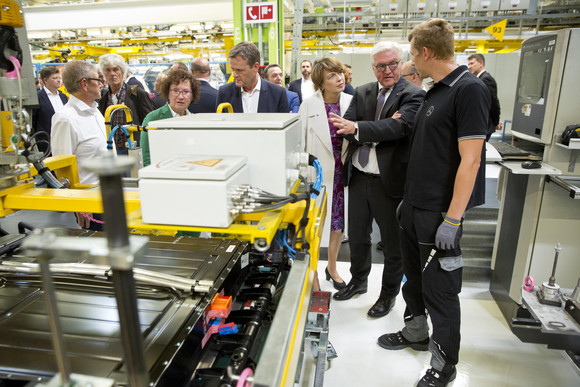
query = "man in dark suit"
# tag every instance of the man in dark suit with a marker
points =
(303, 86)
(378, 124)
(50, 100)
(131, 80)
(208, 96)
(273, 73)
(250, 93)
(348, 89)
(476, 64)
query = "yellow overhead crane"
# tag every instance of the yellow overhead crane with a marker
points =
(312, 40)
(127, 48)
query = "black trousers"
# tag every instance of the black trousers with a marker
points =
(428, 286)
(368, 200)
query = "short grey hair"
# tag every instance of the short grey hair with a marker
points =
(113, 60)
(74, 71)
(387, 46)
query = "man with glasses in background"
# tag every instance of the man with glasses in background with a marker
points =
(79, 127)
(273, 73)
(378, 124)
(409, 71)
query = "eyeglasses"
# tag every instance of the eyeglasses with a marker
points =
(408, 75)
(92, 79)
(185, 93)
(382, 67)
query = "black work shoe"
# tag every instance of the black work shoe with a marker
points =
(434, 378)
(382, 307)
(397, 341)
(350, 290)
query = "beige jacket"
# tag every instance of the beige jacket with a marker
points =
(316, 141)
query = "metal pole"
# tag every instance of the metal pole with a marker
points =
(552, 280)
(114, 211)
(110, 169)
(123, 280)
(296, 38)
(54, 321)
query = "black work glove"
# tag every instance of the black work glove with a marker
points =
(448, 235)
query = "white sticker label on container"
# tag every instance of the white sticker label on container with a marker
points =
(245, 260)
(230, 248)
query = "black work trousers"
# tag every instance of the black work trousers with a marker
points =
(428, 286)
(368, 200)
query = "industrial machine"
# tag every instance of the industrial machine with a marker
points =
(145, 304)
(273, 156)
(540, 207)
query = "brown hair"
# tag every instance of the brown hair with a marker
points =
(436, 35)
(477, 57)
(47, 71)
(246, 50)
(332, 65)
(175, 77)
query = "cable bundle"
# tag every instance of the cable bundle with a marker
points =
(281, 239)
(112, 135)
(246, 199)
(318, 181)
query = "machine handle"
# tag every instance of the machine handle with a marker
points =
(225, 105)
(573, 191)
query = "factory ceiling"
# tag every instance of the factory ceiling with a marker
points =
(357, 22)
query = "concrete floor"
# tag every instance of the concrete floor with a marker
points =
(491, 355)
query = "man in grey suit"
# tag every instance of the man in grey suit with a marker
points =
(208, 94)
(378, 124)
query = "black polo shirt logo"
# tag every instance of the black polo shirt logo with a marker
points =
(430, 110)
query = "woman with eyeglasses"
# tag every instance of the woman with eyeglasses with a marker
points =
(180, 89)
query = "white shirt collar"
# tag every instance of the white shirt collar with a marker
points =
(175, 114)
(82, 106)
(256, 88)
(48, 92)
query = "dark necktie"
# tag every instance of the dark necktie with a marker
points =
(365, 150)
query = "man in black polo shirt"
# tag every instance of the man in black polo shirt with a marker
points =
(374, 171)
(444, 170)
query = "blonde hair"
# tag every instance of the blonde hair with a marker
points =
(435, 34)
